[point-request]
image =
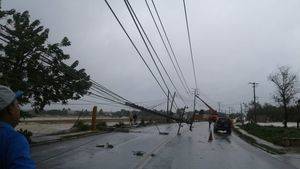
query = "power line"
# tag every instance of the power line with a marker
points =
(190, 42)
(154, 106)
(104, 90)
(140, 55)
(158, 58)
(137, 24)
(106, 98)
(165, 46)
(99, 85)
(60, 65)
(94, 83)
(165, 33)
(169, 43)
(91, 103)
(111, 96)
(101, 92)
(97, 89)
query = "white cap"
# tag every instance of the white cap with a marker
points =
(7, 96)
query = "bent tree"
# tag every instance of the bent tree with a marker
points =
(31, 64)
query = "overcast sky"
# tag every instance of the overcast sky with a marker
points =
(234, 42)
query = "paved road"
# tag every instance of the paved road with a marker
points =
(190, 150)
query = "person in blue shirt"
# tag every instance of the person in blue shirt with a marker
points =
(14, 148)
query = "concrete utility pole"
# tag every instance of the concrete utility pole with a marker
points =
(168, 106)
(93, 126)
(254, 85)
(171, 107)
(242, 114)
(241, 105)
(298, 111)
(181, 117)
(172, 102)
(193, 116)
(219, 107)
(168, 101)
(195, 93)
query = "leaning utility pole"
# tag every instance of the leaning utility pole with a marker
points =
(169, 112)
(254, 84)
(298, 111)
(229, 110)
(241, 106)
(193, 116)
(93, 123)
(172, 102)
(242, 113)
(168, 101)
(181, 117)
(195, 94)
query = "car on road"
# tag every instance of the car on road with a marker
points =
(223, 124)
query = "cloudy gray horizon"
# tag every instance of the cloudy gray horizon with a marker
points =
(234, 42)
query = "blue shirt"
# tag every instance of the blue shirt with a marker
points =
(14, 149)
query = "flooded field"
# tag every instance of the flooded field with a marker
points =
(39, 129)
(48, 125)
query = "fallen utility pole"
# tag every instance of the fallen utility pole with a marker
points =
(210, 108)
(172, 102)
(180, 120)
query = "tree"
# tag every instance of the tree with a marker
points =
(31, 64)
(284, 81)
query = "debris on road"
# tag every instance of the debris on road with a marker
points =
(107, 145)
(161, 132)
(138, 153)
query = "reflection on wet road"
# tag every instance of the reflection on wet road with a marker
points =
(145, 148)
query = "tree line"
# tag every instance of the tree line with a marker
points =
(273, 113)
(287, 110)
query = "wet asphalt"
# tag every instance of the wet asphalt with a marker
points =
(190, 150)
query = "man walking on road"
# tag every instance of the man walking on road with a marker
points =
(14, 148)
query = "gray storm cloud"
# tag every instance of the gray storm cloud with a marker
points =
(234, 42)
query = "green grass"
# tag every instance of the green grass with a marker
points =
(271, 133)
(252, 141)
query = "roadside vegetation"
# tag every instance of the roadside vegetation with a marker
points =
(81, 126)
(285, 95)
(252, 141)
(272, 134)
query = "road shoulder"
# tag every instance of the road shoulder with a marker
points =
(260, 143)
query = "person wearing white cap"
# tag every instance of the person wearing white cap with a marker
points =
(14, 147)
